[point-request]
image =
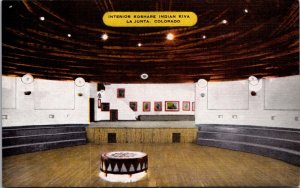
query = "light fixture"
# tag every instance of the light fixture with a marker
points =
(170, 36)
(246, 10)
(139, 44)
(224, 22)
(144, 76)
(204, 36)
(104, 36)
(69, 35)
(10, 6)
(42, 18)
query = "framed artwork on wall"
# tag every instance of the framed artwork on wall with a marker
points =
(146, 106)
(172, 106)
(158, 106)
(193, 106)
(120, 93)
(99, 103)
(186, 105)
(133, 106)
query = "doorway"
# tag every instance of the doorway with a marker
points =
(113, 115)
(92, 109)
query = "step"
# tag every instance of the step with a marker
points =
(30, 139)
(268, 141)
(286, 155)
(40, 130)
(166, 117)
(284, 133)
(26, 148)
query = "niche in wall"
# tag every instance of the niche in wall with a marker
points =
(282, 93)
(8, 92)
(54, 95)
(228, 95)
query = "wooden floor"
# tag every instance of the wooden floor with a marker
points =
(169, 165)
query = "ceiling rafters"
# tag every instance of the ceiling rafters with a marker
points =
(261, 42)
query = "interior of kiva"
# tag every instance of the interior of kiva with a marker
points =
(86, 104)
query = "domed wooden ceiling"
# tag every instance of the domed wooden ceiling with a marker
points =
(259, 37)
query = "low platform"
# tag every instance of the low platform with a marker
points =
(143, 124)
(142, 132)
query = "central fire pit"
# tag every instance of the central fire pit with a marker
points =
(123, 166)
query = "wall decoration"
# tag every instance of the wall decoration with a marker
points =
(121, 93)
(193, 106)
(79, 82)
(99, 103)
(186, 105)
(158, 106)
(27, 79)
(146, 106)
(105, 106)
(133, 106)
(171, 105)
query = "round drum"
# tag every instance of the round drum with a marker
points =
(128, 163)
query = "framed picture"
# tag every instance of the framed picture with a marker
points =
(99, 103)
(133, 106)
(172, 106)
(186, 105)
(193, 106)
(105, 106)
(120, 93)
(158, 106)
(146, 106)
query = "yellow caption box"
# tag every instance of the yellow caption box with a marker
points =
(150, 19)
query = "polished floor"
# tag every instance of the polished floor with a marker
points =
(169, 165)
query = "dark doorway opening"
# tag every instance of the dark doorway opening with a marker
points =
(176, 138)
(92, 109)
(113, 115)
(111, 138)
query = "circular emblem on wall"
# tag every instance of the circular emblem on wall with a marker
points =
(79, 82)
(253, 80)
(27, 79)
(202, 83)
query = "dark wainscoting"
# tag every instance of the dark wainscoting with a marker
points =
(166, 118)
(25, 139)
(277, 143)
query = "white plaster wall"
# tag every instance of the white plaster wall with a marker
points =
(50, 102)
(8, 93)
(146, 92)
(280, 95)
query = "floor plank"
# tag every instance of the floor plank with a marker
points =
(169, 165)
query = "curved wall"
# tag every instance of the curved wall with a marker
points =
(261, 118)
(50, 102)
(276, 103)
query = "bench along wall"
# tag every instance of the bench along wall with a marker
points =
(272, 102)
(50, 102)
(145, 93)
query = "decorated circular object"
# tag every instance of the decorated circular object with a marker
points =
(124, 162)
(79, 82)
(253, 80)
(123, 166)
(202, 83)
(27, 79)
